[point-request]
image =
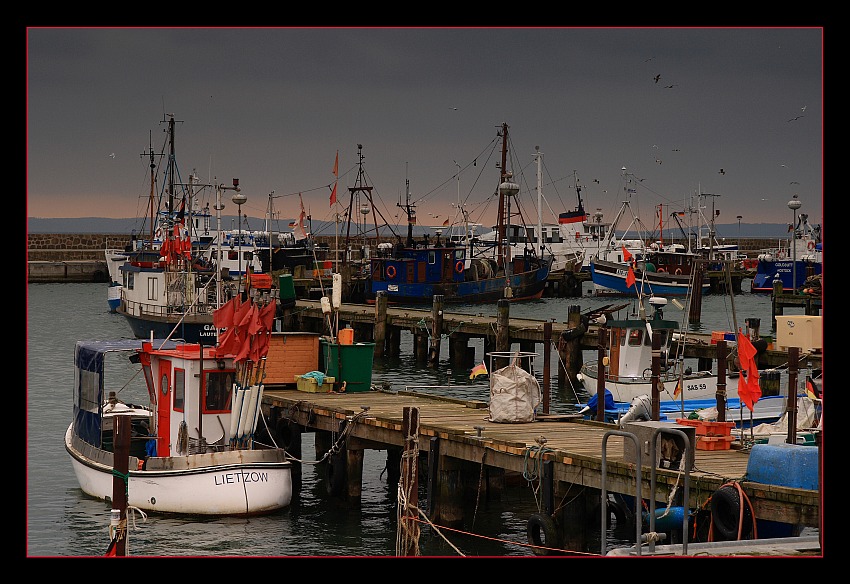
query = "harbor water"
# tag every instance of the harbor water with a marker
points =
(62, 521)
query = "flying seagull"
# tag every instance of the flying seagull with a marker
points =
(721, 171)
(803, 108)
(657, 77)
(454, 108)
(671, 86)
(112, 155)
(797, 118)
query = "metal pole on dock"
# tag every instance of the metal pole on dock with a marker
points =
(656, 369)
(547, 358)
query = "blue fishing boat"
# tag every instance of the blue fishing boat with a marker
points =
(800, 258)
(413, 272)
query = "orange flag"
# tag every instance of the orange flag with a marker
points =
(630, 277)
(748, 388)
(446, 223)
(626, 255)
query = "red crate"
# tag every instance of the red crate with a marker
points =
(714, 442)
(708, 428)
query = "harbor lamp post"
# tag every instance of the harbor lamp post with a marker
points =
(239, 198)
(739, 234)
(794, 204)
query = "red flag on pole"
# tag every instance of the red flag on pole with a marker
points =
(336, 174)
(630, 277)
(748, 388)
(626, 255)
(446, 223)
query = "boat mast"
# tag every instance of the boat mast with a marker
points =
(503, 177)
(352, 191)
(152, 197)
(409, 212)
(539, 156)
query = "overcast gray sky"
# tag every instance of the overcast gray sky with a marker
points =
(272, 106)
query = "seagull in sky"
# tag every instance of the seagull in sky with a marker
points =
(454, 108)
(793, 182)
(596, 180)
(721, 171)
(803, 108)
(112, 155)
(676, 150)
(657, 77)
(658, 160)
(671, 86)
(797, 118)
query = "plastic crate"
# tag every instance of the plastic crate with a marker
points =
(310, 385)
(714, 442)
(708, 428)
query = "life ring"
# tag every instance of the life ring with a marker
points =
(542, 534)
(678, 271)
(158, 233)
(390, 271)
(661, 270)
(811, 245)
(459, 267)
(726, 513)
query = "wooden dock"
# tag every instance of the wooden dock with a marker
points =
(308, 316)
(460, 444)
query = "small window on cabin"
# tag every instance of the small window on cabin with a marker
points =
(432, 257)
(635, 337)
(152, 289)
(218, 386)
(233, 255)
(459, 253)
(130, 280)
(179, 389)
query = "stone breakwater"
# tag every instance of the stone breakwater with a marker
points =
(57, 247)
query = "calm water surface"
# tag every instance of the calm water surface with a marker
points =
(61, 521)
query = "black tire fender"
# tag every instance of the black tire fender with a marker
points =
(543, 534)
(725, 513)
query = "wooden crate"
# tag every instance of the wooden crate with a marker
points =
(291, 354)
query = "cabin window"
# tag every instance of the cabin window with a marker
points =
(129, 280)
(233, 255)
(217, 386)
(459, 254)
(635, 337)
(432, 257)
(179, 389)
(662, 336)
(152, 289)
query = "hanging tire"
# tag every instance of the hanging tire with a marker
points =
(543, 534)
(725, 513)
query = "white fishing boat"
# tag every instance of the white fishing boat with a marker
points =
(629, 370)
(192, 449)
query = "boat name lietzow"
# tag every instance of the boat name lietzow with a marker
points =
(244, 477)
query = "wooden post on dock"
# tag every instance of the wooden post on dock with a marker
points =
(720, 394)
(791, 407)
(600, 373)
(569, 348)
(408, 524)
(503, 339)
(120, 482)
(775, 306)
(547, 358)
(381, 302)
(436, 330)
(695, 310)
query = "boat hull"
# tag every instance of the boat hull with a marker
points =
(610, 278)
(477, 292)
(227, 483)
(698, 385)
(768, 270)
(192, 330)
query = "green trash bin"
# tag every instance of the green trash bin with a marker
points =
(349, 363)
(286, 285)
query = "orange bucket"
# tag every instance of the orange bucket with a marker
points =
(346, 336)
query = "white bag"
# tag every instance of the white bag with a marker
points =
(514, 395)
